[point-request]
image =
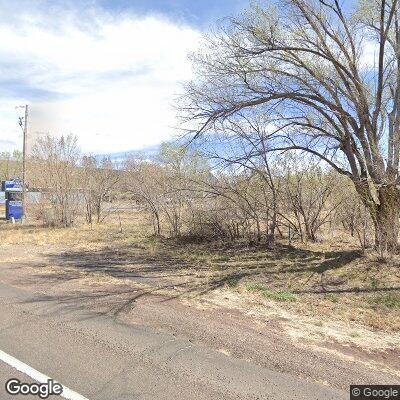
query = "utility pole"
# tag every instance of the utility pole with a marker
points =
(23, 123)
(24, 150)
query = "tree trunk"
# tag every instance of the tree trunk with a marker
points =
(386, 219)
(98, 211)
(157, 226)
(271, 230)
(310, 232)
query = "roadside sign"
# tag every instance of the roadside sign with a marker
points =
(12, 192)
(14, 209)
(10, 185)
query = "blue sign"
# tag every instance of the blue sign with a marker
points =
(14, 209)
(12, 185)
(12, 190)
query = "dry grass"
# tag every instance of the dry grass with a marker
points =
(331, 280)
(132, 224)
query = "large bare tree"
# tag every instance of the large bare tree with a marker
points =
(54, 169)
(326, 77)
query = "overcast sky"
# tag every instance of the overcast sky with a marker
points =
(106, 71)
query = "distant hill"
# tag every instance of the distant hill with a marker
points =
(147, 153)
(224, 147)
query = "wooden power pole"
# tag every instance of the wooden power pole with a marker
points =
(24, 150)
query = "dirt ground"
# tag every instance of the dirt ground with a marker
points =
(324, 312)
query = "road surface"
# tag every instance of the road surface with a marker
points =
(103, 359)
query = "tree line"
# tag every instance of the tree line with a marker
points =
(295, 111)
(189, 194)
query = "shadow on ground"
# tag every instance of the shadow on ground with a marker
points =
(181, 274)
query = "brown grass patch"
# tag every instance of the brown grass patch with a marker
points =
(330, 280)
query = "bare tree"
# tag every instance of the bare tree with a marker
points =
(353, 215)
(56, 163)
(233, 206)
(142, 180)
(99, 180)
(303, 65)
(244, 144)
(164, 186)
(10, 164)
(306, 192)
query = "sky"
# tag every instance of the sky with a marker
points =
(106, 71)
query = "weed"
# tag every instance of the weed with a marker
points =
(254, 287)
(233, 281)
(334, 298)
(269, 294)
(388, 300)
(374, 284)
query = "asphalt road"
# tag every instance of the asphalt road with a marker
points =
(103, 359)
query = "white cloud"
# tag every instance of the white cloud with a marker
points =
(108, 79)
